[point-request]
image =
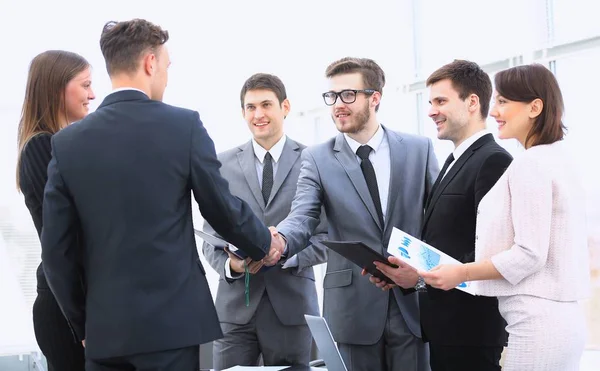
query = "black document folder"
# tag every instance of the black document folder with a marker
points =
(361, 255)
(218, 243)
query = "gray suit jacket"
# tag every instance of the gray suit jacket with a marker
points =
(292, 291)
(331, 176)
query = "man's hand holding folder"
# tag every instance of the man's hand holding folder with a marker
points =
(404, 276)
(238, 265)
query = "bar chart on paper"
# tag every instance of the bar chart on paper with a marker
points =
(420, 255)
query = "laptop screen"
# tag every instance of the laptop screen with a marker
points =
(328, 350)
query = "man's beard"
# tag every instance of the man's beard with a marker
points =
(359, 121)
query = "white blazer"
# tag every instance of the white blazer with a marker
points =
(532, 225)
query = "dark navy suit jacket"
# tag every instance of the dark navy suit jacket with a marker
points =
(121, 182)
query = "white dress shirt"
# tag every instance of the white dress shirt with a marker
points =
(259, 159)
(462, 148)
(380, 158)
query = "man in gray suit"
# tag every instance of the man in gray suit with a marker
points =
(264, 172)
(369, 179)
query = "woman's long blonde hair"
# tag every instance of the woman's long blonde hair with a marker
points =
(44, 103)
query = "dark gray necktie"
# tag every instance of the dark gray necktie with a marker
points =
(267, 178)
(369, 173)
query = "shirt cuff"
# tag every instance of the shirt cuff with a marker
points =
(285, 250)
(291, 262)
(228, 271)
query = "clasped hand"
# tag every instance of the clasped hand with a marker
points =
(277, 248)
(275, 252)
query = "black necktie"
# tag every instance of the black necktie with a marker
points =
(449, 160)
(369, 173)
(267, 180)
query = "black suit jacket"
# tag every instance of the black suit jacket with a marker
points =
(124, 176)
(33, 174)
(453, 317)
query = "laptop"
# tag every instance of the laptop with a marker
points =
(328, 350)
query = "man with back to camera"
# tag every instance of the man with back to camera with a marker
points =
(369, 179)
(123, 177)
(264, 172)
(465, 332)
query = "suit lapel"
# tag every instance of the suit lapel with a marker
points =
(248, 166)
(397, 162)
(462, 160)
(289, 155)
(348, 160)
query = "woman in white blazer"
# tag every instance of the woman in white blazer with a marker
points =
(531, 243)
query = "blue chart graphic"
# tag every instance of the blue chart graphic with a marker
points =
(428, 258)
(414, 251)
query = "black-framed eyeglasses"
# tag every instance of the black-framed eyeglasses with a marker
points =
(347, 95)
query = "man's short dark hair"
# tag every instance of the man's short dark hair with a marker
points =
(122, 43)
(264, 81)
(372, 75)
(467, 78)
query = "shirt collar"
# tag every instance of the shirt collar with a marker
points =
(126, 88)
(374, 142)
(275, 151)
(467, 143)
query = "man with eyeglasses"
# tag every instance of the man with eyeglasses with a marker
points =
(370, 179)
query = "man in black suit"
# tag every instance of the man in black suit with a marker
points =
(465, 332)
(121, 181)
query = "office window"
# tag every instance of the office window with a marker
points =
(481, 31)
(574, 19)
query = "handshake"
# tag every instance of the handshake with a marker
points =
(277, 249)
